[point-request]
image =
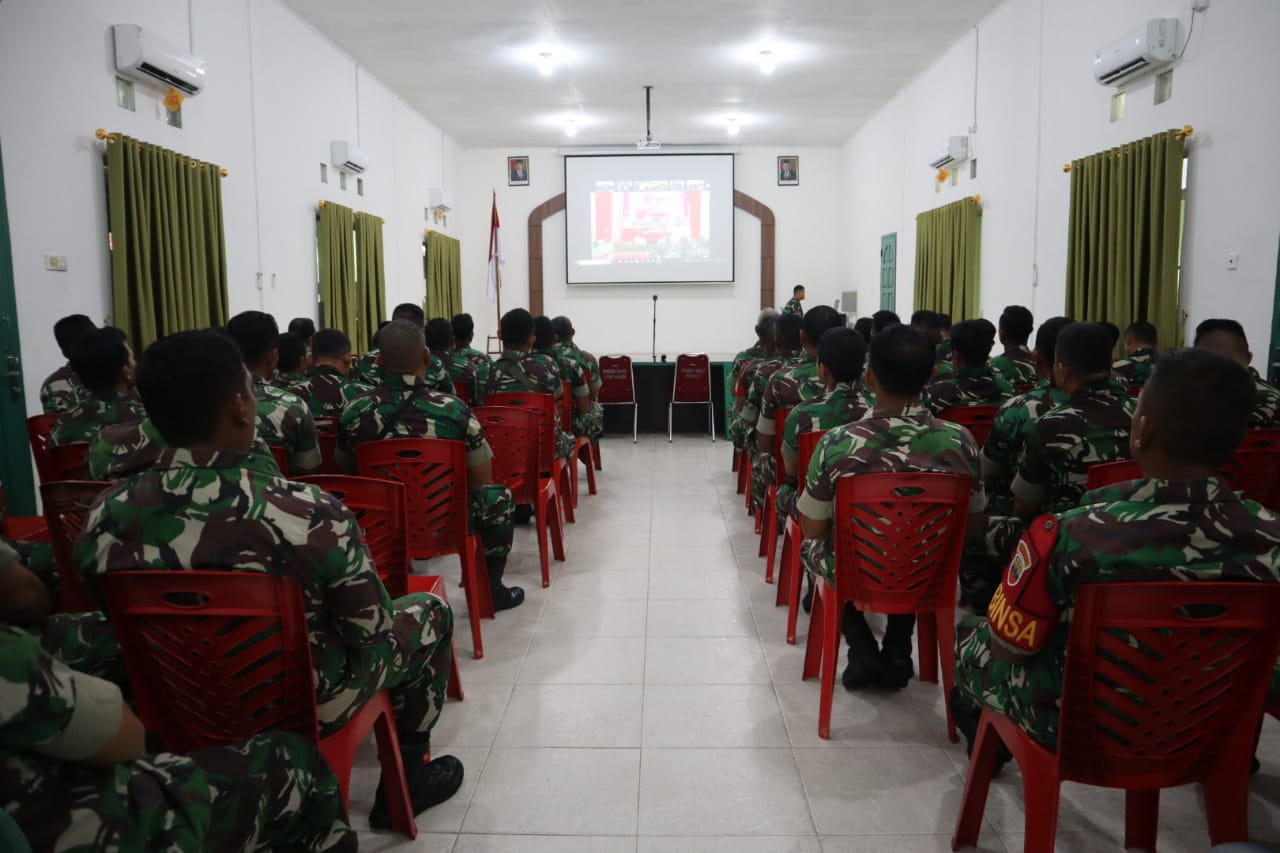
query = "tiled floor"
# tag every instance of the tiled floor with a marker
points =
(648, 702)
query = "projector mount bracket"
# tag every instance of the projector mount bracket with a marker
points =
(647, 144)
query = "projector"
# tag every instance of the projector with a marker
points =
(648, 145)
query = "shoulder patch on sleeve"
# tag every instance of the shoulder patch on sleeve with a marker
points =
(1022, 614)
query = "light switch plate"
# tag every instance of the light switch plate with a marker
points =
(55, 263)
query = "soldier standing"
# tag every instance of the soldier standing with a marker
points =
(794, 305)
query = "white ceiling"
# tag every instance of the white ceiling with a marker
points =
(471, 65)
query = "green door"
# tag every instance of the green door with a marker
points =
(889, 272)
(15, 461)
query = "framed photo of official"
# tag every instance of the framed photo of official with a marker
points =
(517, 171)
(788, 170)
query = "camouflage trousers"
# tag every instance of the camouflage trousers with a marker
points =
(1002, 535)
(764, 472)
(1004, 687)
(492, 508)
(85, 642)
(412, 664)
(786, 504)
(273, 792)
(818, 558)
(590, 424)
(38, 558)
(564, 443)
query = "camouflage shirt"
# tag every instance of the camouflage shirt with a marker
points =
(404, 407)
(364, 368)
(61, 391)
(793, 306)
(91, 414)
(1008, 435)
(913, 440)
(1093, 426)
(840, 405)
(760, 380)
(751, 353)
(973, 386)
(438, 378)
(122, 450)
(284, 421)
(208, 509)
(788, 388)
(568, 351)
(1266, 407)
(1016, 365)
(570, 371)
(289, 382)
(327, 392)
(520, 371)
(1136, 369)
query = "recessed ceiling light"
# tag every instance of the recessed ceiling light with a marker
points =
(570, 128)
(767, 62)
(546, 63)
(734, 126)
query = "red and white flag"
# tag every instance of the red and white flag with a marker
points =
(495, 252)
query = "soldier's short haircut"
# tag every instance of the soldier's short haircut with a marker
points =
(820, 319)
(1143, 332)
(70, 329)
(516, 327)
(186, 379)
(920, 319)
(882, 320)
(293, 349)
(1047, 335)
(863, 327)
(945, 320)
(439, 334)
(844, 353)
(767, 325)
(929, 322)
(464, 328)
(903, 359)
(409, 311)
(544, 334)
(1113, 330)
(257, 334)
(401, 346)
(789, 326)
(98, 357)
(1016, 323)
(382, 324)
(563, 327)
(331, 343)
(973, 341)
(1085, 348)
(797, 290)
(304, 326)
(1230, 327)
(1201, 402)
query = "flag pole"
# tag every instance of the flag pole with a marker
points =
(497, 275)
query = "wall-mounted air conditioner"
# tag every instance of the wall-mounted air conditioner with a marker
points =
(147, 58)
(347, 157)
(1148, 48)
(439, 199)
(955, 151)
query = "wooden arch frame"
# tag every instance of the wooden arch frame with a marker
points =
(741, 201)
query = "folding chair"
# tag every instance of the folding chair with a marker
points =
(618, 387)
(692, 388)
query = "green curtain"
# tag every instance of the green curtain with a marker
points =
(444, 275)
(371, 279)
(948, 251)
(1125, 235)
(168, 248)
(337, 270)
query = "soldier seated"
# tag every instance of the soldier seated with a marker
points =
(464, 332)
(1016, 365)
(104, 362)
(1140, 345)
(588, 416)
(295, 361)
(61, 390)
(519, 369)
(1227, 337)
(329, 387)
(209, 504)
(974, 383)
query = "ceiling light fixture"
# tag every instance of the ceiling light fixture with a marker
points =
(546, 63)
(734, 126)
(570, 128)
(767, 62)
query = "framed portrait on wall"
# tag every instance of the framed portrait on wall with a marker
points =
(788, 170)
(517, 171)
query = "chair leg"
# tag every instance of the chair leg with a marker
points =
(1141, 819)
(670, 407)
(769, 534)
(793, 591)
(592, 464)
(564, 488)
(393, 778)
(475, 605)
(927, 639)
(813, 643)
(541, 523)
(599, 466)
(711, 420)
(784, 576)
(1226, 797)
(977, 783)
(944, 627)
(635, 423)
(734, 462)
(454, 687)
(830, 656)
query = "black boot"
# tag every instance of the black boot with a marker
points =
(807, 601)
(966, 716)
(864, 665)
(896, 652)
(522, 514)
(429, 783)
(504, 597)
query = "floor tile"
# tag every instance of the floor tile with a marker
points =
(704, 660)
(573, 715)
(737, 715)
(601, 586)
(700, 618)
(473, 721)
(544, 844)
(696, 585)
(858, 718)
(594, 619)
(389, 842)
(988, 843)
(731, 844)
(584, 660)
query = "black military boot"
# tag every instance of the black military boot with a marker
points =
(895, 653)
(522, 514)
(430, 783)
(966, 716)
(864, 665)
(504, 597)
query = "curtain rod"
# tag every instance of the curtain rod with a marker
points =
(1186, 131)
(113, 137)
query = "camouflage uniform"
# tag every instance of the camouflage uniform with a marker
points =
(438, 378)
(841, 405)
(364, 368)
(1016, 365)
(1136, 369)
(327, 392)
(1266, 407)
(911, 441)
(586, 362)
(590, 423)
(284, 421)
(61, 391)
(404, 407)
(471, 356)
(750, 414)
(289, 382)
(122, 450)
(91, 413)
(522, 371)
(787, 388)
(1146, 530)
(208, 509)
(973, 386)
(942, 350)
(462, 368)
(1008, 435)
(272, 792)
(793, 306)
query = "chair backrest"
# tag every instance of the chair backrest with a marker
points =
(281, 456)
(462, 389)
(976, 419)
(898, 539)
(434, 473)
(693, 379)
(1255, 468)
(66, 508)
(1161, 678)
(512, 433)
(566, 408)
(378, 506)
(545, 406)
(66, 461)
(779, 423)
(214, 657)
(808, 442)
(617, 380)
(327, 439)
(38, 429)
(1105, 474)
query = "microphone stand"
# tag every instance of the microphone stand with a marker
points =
(655, 327)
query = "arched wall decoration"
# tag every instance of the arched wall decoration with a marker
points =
(741, 201)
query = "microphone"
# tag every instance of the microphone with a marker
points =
(654, 353)
(655, 297)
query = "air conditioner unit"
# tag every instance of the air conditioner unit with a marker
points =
(440, 200)
(1148, 48)
(347, 157)
(956, 151)
(147, 58)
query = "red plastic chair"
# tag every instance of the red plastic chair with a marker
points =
(434, 474)
(1154, 697)
(38, 429)
(977, 419)
(218, 657)
(23, 528)
(769, 522)
(1105, 474)
(790, 574)
(66, 461)
(692, 388)
(513, 435)
(462, 390)
(327, 439)
(898, 540)
(66, 508)
(281, 456)
(550, 467)
(618, 388)
(567, 404)
(595, 448)
(1254, 470)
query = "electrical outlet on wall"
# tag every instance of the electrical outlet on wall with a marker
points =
(1233, 260)
(55, 263)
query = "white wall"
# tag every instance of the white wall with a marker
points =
(1038, 108)
(714, 318)
(278, 93)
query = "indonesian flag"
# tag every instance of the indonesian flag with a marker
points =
(495, 251)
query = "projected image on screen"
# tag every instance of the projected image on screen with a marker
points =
(645, 219)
